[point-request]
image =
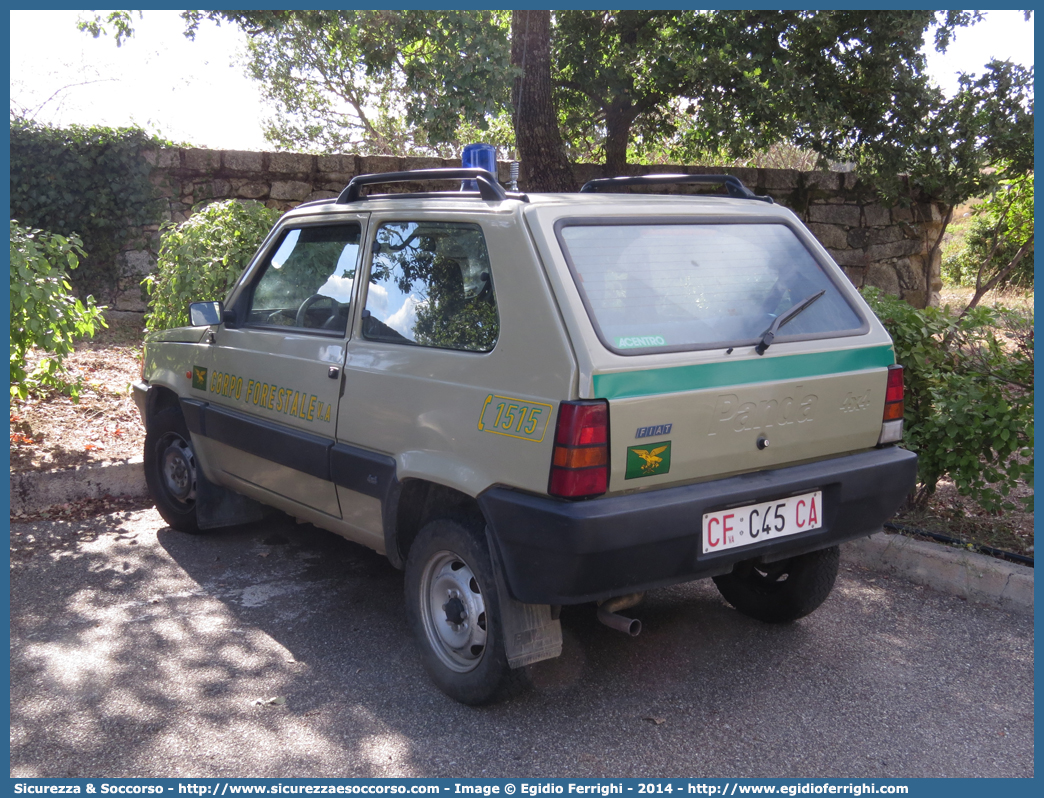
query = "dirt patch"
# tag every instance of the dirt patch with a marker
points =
(52, 431)
(957, 297)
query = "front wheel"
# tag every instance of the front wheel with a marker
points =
(454, 612)
(170, 469)
(783, 591)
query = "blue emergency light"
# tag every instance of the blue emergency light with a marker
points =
(478, 156)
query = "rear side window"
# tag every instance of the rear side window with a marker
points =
(431, 285)
(699, 286)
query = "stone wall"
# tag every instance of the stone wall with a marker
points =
(875, 245)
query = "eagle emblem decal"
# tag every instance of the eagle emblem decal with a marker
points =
(648, 460)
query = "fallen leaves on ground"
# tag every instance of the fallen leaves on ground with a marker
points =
(51, 431)
(62, 527)
(83, 508)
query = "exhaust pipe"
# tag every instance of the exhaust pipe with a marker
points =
(607, 613)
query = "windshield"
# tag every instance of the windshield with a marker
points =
(699, 286)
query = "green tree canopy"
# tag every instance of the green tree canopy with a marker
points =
(383, 82)
(718, 81)
(844, 84)
(732, 81)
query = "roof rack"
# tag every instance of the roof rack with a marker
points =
(732, 184)
(488, 187)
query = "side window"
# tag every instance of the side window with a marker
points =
(307, 281)
(431, 285)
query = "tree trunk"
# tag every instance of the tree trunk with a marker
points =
(545, 166)
(931, 255)
(618, 120)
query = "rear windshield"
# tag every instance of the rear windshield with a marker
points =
(700, 286)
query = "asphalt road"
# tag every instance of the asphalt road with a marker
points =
(139, 651)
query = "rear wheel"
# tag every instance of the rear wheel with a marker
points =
(783, 591)
(170, 469)
(454, 612)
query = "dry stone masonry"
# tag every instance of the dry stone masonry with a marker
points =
(891, 248)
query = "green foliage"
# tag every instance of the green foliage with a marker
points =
(120, 21)
(89, 181)
(1000, 227)
(44, 313)
(735, 81)
(959, 148)
(377, 82)
(963, 147)
(688, 81)
(201, 258)
(969, 396)
(657, 85)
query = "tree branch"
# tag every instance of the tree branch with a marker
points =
(980, 292)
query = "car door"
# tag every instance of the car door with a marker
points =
(273, 371)
(418, 372)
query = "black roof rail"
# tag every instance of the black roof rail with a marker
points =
(489, 189)
(732, 184)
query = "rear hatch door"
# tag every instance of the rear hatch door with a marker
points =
(724, 342)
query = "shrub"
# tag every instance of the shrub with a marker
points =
(201, 258)
(44, 313)
(91, 181)
(969, 396)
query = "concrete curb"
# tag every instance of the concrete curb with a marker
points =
(973, 576)
(33, 491)
(970, 575)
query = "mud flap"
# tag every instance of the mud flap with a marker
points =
(530, 633)
(217, 506)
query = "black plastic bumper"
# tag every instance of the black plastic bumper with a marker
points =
(140, 393)
(560, 552)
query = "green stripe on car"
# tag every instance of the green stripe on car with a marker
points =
(651, 382)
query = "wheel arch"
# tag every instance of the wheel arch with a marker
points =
(415, 502)
(159, 398)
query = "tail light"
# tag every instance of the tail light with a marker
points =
(892, 419)
(580, 461)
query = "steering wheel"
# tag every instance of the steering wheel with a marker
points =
(302, 312)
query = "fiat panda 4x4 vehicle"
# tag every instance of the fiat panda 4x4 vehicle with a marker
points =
(532, 401)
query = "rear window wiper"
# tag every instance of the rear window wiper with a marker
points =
(769, 335)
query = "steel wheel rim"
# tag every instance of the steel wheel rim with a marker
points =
(453, 611)
(177, 464)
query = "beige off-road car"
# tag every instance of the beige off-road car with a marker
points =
(531, 401)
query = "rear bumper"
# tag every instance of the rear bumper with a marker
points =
(559, 552)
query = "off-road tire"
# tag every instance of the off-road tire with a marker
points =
(171, 469)
(783, 591)
(453, 611)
